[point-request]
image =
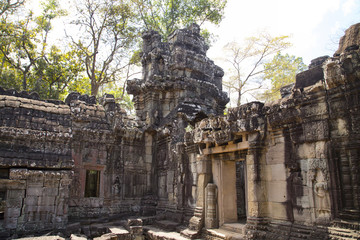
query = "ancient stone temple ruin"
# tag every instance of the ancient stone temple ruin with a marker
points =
(180, 168)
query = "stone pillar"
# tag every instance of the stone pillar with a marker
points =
(151, 178)
(255, 189)
(204, 174)
(211, 220)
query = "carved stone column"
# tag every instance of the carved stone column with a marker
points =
(211, 220)
(204, 174)
(256, 210)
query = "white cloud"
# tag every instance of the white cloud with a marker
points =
(299, 19)
(348, 6)
(335, 28)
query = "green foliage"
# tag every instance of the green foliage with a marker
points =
(28, 62)
(58, 73)
(120, 95)
(101, 55)
(281, 71)
(108, 33)
(9, 6)
(247, 60)
(18, 47)
(165, 16)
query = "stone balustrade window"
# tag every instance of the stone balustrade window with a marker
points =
(92, 185)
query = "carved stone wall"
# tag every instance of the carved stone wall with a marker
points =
(36, 163)
(112, 164)
(176, 160)
(302, 156)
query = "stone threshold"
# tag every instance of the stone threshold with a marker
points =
(231, 231)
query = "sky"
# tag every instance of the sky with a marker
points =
(314, 26)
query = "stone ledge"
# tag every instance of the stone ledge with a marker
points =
(10, 184)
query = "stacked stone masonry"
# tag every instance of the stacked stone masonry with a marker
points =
(287, 169)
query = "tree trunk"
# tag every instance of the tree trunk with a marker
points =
(94, 89)
(239, 98)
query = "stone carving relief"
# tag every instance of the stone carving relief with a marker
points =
(211, 205)
(322, 202)
(318, 178)
(116, 187)
(318, 165)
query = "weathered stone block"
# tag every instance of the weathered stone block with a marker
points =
(278, 172)
(306, 150)
(309, 77)
(34, 191)
(15, 194)
(276, 154)
(278, 210)
(302, 215)
(10, 223)
(46, 200)
(50, 191)
(203, 166)
(107, 236)
(14, 202)
(32, 200)
(277, 191)
(316, 131)
(12, 212)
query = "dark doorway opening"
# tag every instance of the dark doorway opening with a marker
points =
(2, 203)
(240, 190)
(92, 185)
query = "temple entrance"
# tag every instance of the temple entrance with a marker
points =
(230, 177)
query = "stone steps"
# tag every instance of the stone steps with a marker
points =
(155, 233)
(120, 232)
(190, 234)
(234, 227)
(223, 234)
(125, 230)
(343, 234)
(300, 231)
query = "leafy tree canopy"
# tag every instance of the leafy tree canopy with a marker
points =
(101, 55)
(9, 6)
(108, 33)
(281, 71)
(28, 62)
(165, 16)
(247, 61)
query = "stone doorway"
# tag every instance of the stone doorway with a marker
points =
(230, 177)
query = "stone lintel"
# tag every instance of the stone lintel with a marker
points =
(231, 147)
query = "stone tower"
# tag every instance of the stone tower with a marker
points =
(177, 78)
